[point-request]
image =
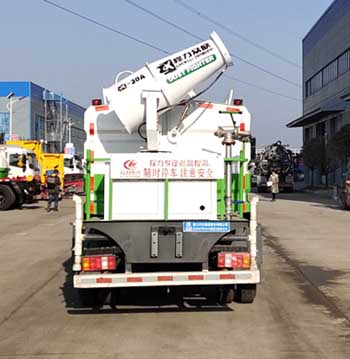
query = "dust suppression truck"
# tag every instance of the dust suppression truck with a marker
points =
(167, 185)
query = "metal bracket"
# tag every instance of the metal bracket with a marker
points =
(178, 244)
(154, 244)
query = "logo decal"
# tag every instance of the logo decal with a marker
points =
(167, 67)
(130, 165)
(185, 58)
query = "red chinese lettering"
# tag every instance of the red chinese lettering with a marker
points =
(147, 172)
(156, 172)
(184, 172)
(165, 172)
(173, 172)
(200, 172)
(209, 173)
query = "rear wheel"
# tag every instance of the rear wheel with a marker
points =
(93, 298)
(7, 198)
(225, 295)
(245, 293)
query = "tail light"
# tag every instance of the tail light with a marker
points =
(98, 263)
(233, 260)
(96, 102)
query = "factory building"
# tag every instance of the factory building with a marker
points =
(326, 80)
(31, 112)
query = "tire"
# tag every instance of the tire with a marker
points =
(93, 298)
(245, 293)
(7, 198)
(225, 295)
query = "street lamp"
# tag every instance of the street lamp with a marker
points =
(9, 106)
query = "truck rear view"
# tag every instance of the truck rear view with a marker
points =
(167, 185)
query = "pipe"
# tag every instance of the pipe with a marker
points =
(78, 232)
(228, 169)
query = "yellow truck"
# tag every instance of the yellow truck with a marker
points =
(47, 161)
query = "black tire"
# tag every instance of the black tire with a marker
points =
(245, 293)
(225, 295)
(93, 298)
(7, 198)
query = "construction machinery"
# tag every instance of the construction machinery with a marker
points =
(167, 186)
(274, 157)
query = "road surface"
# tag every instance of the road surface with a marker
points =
(292, 316)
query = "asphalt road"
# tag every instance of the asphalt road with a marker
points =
(293, 315)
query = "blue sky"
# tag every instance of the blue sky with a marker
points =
(66, 54)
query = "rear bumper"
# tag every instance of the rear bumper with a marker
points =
(97, 280)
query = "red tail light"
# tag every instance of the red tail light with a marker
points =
(96, 102)
(242, 126)
(233, 260)
(238, 102)
(91, 129)
(98, 263)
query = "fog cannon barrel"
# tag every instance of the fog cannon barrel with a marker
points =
(174, 76)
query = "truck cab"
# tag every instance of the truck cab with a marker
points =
(20, 183)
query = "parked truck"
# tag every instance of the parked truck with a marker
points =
(19, 177)
(48, 162)
(279, 158)
(167, 186)
(73, 174)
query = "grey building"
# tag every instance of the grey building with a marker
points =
(326, 79)
(31, 112)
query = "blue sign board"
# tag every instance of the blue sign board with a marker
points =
(206, 226)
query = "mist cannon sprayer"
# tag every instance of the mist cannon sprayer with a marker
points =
(169, 80)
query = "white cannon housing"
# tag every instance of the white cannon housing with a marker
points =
(173, 76)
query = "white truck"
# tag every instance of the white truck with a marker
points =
(19, 177)
(73, 174)
(167, 186)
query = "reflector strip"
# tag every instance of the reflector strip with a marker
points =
(103, 280)
(101, 108)
(242, 127)
(195, 277)
(98, 280)
(165, 278)
(206, 105)
(92, 183)
(134, 279)
(91, 129)
(92, 207)
(233, 110)
(227, 276)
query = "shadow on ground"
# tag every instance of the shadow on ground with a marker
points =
(141, 300)
(317, 200)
